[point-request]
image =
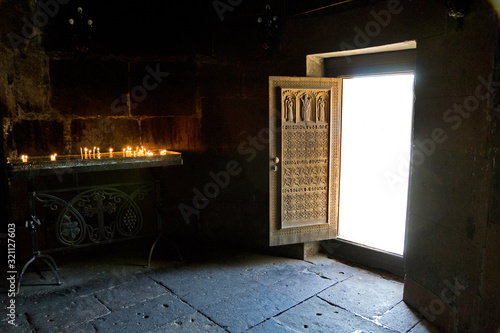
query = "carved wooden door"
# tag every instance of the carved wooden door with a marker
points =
(304, 119)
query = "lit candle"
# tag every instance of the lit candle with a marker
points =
(110, 152)
(98, 153)
(149, 153)
(53, 157)
(86, 153)
(93, 153)
(163, 152)
(81, 152)
(24, 158)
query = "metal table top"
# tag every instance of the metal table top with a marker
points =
(42, 165)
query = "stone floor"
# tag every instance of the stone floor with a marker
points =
(213, 290)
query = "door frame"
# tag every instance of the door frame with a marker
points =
(343, 249)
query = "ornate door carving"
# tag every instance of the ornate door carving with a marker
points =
(304, 118)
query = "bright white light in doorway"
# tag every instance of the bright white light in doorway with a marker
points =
(376, 140)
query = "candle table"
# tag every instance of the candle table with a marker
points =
(84, 202)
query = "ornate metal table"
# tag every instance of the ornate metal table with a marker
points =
(104, 210)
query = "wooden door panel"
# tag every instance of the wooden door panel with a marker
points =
(304, 158)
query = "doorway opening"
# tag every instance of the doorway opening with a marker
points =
(375, 160)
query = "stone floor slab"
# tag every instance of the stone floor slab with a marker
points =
(55, 316)
(270, 274)
(80, 328)
(366, 294)
(246, 310)
(302, 285)
(401, 318)
(317, 316)
(137, 291)
(20, 325)
(83, 282)
(270, 325)
(145, 316)
(201, 288)
(192, 323)
(334, 270)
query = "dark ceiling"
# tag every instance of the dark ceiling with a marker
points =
(173, 27)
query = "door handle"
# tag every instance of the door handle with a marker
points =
(275, 160)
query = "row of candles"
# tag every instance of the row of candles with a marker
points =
(86, 153)
(24, 158)
(94, 153)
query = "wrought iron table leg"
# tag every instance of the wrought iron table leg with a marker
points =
(153, 247)
(33, 224)
(52, 265)
(22, 273)
(151, 250)
(178, 251)
(45, 258)
(159, 219)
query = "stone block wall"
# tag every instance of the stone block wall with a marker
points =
(107, 103)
